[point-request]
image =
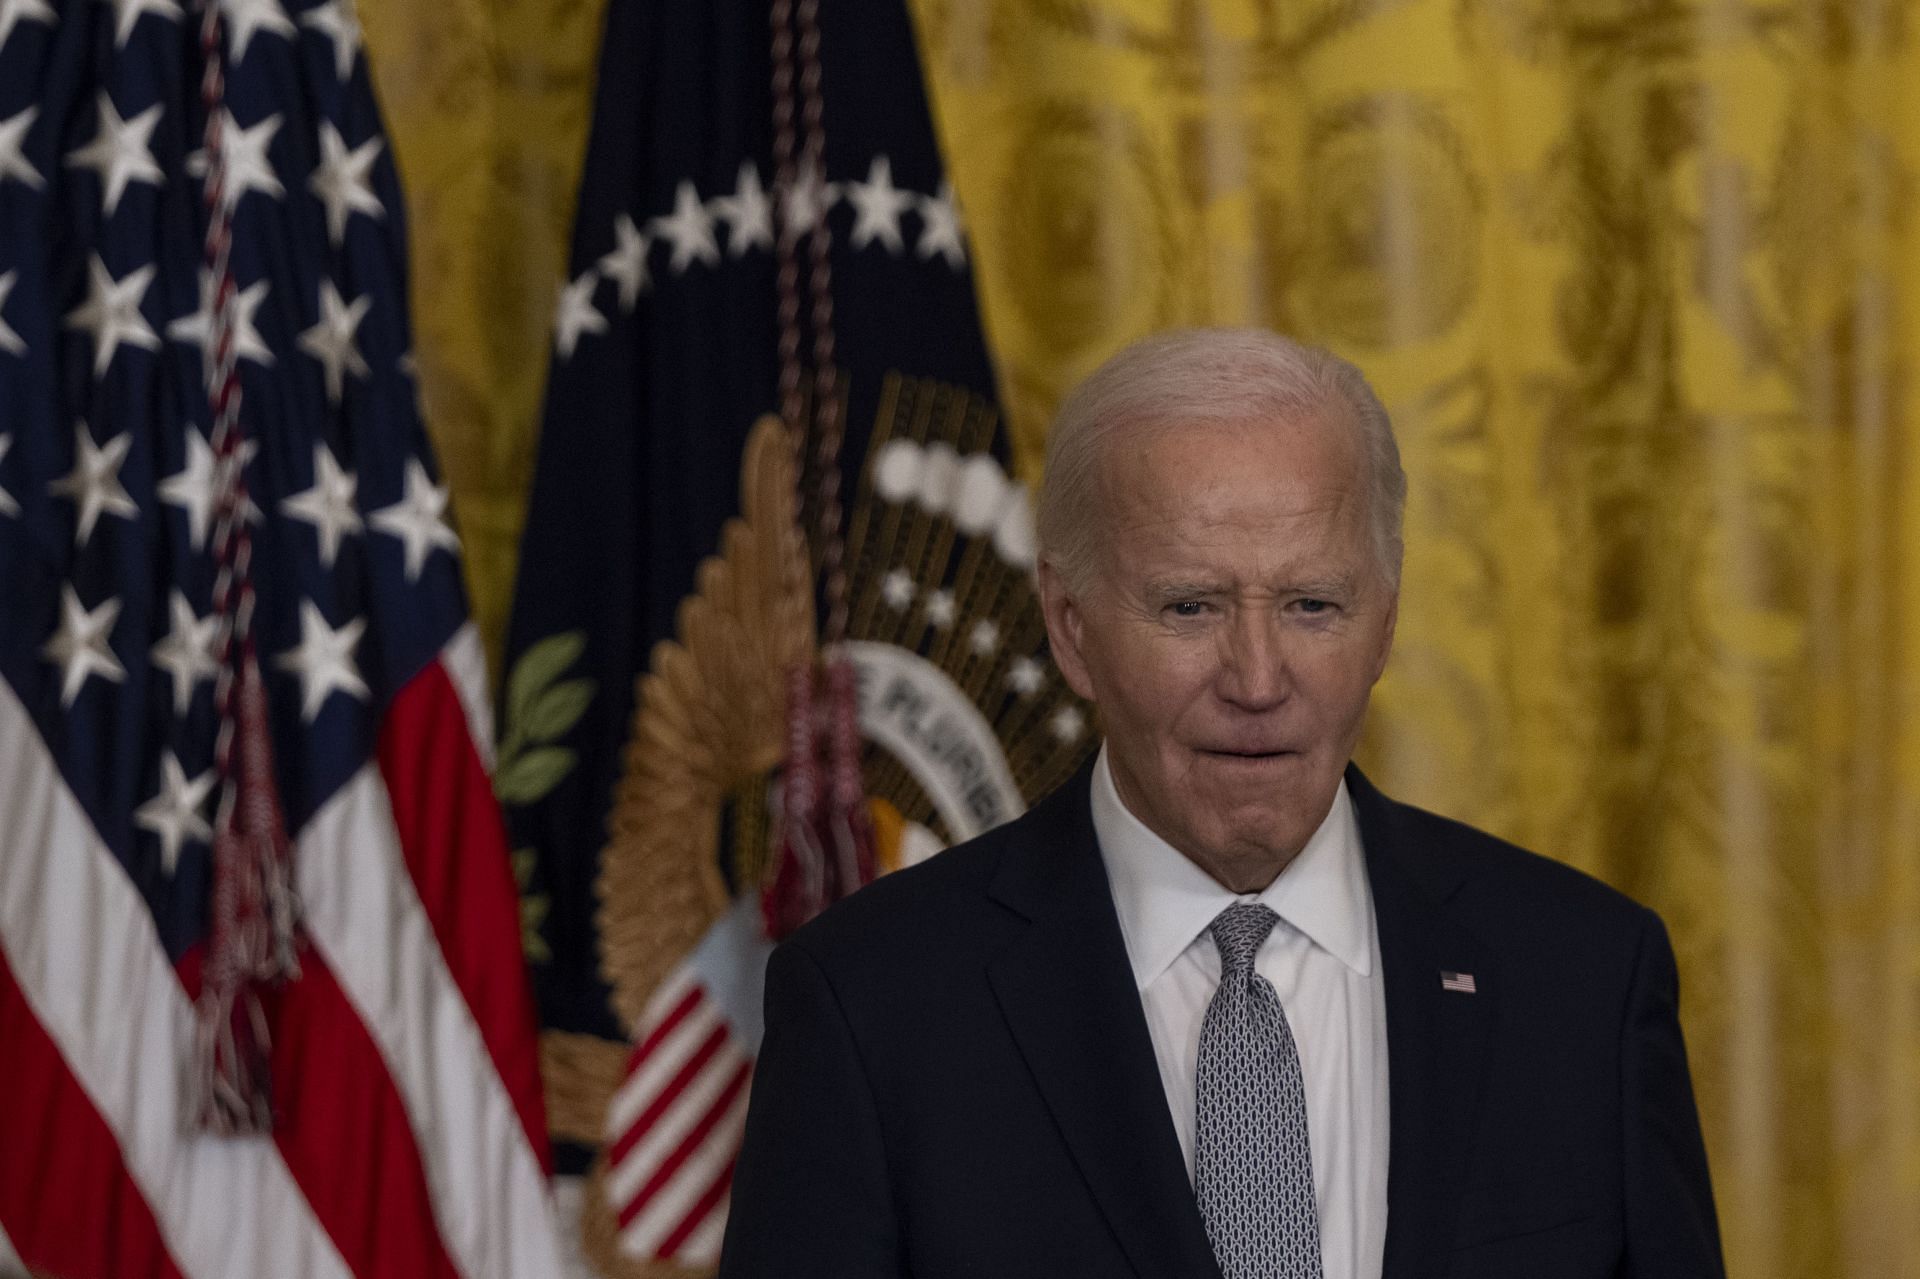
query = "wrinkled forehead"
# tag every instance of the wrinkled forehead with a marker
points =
(1170, 460)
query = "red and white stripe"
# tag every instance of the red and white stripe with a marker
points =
(409, 1139)
(674, 1127)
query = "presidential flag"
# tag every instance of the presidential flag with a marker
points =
(775, 627)
(239, 696)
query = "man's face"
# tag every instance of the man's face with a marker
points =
(1236, 622)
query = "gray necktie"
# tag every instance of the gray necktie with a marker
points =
(1251, 1168)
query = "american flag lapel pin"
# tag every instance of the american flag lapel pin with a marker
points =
(1460, 982)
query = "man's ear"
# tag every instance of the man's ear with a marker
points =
(1386, 636)
(1066, 623)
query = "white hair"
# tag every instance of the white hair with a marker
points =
(1194, 376)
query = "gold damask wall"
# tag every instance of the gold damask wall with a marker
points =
(487, 105)
(1637, 280)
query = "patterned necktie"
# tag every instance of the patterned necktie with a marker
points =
(1251, 1168)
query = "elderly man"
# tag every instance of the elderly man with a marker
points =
(1217, 1006)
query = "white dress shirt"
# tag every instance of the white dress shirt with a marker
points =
(1323, 958)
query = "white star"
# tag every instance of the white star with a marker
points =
(111, 313)
(94, 482)
(340, 180)
(80, 645)
(806, 202)
(197, 326)
(416, 519)
(223, 479)
(187, 651)
(690, 228)
(13, 135)
(983, 638)
(1025, 676)
(897, 589)
(328, 505)
(941, 228)
(173, 814)
(324, 660)
(1068, 724)
(191, 488)
(877, 206)
(940, 610)
(129, 11)
(244, 17)
(7, 505)
(747, 212)
(249, 168)
(336, 21)
(10, 342)
(14, 12)
(626, 265)
(575, 314)
(119, 152)
(196, 487)
(331, 340)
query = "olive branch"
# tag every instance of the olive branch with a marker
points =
(541, 709)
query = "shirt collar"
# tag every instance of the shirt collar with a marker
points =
(1165, 901)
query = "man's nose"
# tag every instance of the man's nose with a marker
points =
(1253, 660)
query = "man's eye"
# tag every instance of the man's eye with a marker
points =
(1314, 606)
(1187, 608)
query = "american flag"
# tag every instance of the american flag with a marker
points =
(1459, 983)
(408, 1129)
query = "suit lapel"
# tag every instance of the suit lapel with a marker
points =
(1067, 992)
(1436, 1038)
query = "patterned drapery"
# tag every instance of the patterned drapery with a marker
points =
(487, 106)
(1635, 278)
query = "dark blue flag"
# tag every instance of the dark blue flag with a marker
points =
(679, 560)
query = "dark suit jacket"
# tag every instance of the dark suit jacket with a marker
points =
(957, 1078)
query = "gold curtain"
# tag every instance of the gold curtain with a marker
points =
(1635, 279)
(487, 107)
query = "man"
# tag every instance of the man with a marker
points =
(1217, 1006)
